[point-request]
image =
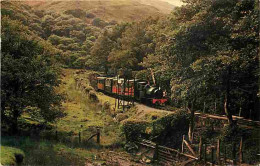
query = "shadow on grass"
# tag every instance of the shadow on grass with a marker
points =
(43, 152)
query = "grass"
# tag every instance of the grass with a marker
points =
(8, 155)
(81, 116)
(43, 152)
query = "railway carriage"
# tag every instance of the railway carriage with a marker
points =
(101, 83)
(135, 89)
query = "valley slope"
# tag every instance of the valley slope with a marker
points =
(109, 10)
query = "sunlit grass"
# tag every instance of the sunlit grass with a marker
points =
(8, 155)
(84, 115)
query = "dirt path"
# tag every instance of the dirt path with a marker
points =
(144, 111)
(147, 109)
(115, 159)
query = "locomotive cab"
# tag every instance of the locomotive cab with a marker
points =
(139, 93)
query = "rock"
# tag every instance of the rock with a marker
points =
(18, 158)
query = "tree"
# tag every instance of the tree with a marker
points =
(211, 60)
(28, 79)
(100, 52)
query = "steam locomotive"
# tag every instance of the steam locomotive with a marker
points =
(136, 89)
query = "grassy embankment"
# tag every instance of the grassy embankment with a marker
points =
(81, 116)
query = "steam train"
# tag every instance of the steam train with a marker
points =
(138, 90)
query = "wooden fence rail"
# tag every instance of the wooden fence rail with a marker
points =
(165, 154)
(209, 154)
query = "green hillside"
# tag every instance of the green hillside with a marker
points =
(109, 10)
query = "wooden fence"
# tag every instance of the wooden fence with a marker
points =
(212, 154)
(60, 137)
(165, 154)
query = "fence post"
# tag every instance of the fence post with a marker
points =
(178, 154)
(218, 151)
(225, 154)
(182, 146)
(212, 155)
(98, 135)
(56, 135)
(204, 107)
(240, 151)
(200, 149)
(234, 153)
(155, 156)
(212, 126)
(79, 137)
(205, 153)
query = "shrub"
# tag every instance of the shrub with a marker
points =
(76, 13)
(90, 15)
(120, 117)
(232, 135)
(88, 89)
(170, 128)
(178, 121)
(106, 106)
(93, 96)
(134, 129)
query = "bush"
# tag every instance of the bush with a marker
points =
(169, 129)
(88, 89)
(90, 15)
(106, 106)
(99, 23)
(232, 136)
(93, 96)
(134, 129)
(120, 117)
(179, 121)
(11, 155)
(76, 13)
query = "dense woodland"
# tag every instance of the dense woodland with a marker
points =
(205, 54)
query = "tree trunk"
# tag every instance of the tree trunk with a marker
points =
(227, 99)
(14, 125)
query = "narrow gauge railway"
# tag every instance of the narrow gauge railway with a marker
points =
(133, 89)
(142, 92)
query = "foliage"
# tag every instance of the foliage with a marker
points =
(66, 31)
(42, 152)
(133, 129)
(99, 52)
(211, 60)
(8, 155)
(28, 77)
(231, 136)
(76, 13)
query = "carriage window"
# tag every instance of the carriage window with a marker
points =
(108, 83)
